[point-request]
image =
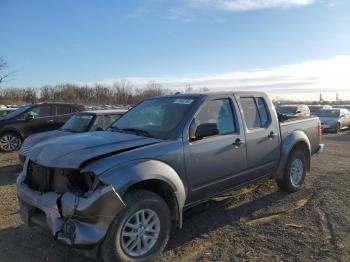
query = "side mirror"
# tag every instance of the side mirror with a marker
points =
(207, 129)
(29, 117)
(99, 129)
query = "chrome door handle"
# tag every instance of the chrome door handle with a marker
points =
(238, 142)
(271, 135)
(51, 120)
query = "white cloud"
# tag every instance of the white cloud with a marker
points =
(309, 77)
(246, 5)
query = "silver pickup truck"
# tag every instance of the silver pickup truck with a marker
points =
(117, 193)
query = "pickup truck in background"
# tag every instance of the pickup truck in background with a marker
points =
(117, 193)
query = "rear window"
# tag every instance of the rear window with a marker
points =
(255, 112)
(63, 109)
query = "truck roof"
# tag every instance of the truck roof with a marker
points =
(215, 94)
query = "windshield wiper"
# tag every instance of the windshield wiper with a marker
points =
(133, 130)
(69, 130)
(137, 131)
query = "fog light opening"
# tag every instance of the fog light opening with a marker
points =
(69, 229)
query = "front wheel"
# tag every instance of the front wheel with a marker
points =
(295, 172)
(141, 231)
(10, 142)
(337, 128)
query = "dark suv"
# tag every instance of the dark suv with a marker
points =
(31, 119)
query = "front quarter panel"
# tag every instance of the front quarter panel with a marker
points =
(130, 173)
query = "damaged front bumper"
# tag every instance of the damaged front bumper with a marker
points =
(72, 220)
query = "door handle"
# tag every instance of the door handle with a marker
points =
(51, 120)
(271, 135)
(238, 142)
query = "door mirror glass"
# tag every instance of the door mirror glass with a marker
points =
(29, 116)
(205, 130)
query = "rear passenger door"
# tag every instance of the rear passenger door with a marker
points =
(262, 135)
(62, 114)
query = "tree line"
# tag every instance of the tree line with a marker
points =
(118, 93)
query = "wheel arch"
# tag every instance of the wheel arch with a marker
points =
(153, 175)
(297, 140)
(13, 130)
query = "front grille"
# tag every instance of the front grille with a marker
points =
(39, 178)
(46, 179)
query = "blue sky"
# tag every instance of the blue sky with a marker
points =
(52, 42)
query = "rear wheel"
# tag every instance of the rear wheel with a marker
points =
(9, 142)
(295, 172)
(141, 231)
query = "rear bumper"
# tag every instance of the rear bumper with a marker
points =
(320, 149)
(72, 220)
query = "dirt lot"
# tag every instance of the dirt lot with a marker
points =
(258, 223)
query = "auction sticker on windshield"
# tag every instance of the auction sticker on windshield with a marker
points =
(183, 101)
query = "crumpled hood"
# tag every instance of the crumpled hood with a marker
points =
(42, 137)
(73, 150)
(329, 120)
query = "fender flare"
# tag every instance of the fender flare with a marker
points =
(128, 174)
(289, 143)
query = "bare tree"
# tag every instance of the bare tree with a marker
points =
(4, 74)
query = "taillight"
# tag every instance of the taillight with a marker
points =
(319, 128)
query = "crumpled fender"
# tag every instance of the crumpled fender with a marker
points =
(124, 176)
(287, 146)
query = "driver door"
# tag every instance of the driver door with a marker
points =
(212, 162)
(42, 120)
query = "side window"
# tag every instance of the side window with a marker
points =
(217, 112)
(63, 109)
(263, 113)
(40, 111)
(255, 112)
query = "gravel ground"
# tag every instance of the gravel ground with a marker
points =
(257, 223)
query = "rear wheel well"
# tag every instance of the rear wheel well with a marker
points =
(165, 191)
(12, 132)
(302, 146)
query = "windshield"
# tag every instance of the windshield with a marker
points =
(17, 112)
(155, 117)
(315, 109)
(328, 113)
(287, 109)
(78, 123)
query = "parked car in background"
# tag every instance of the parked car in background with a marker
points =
(293, 111)
(5, 111)
(80, 122)
(31, 119)
(334, 119)
(342, 106)
(315, 108)
(117, 194)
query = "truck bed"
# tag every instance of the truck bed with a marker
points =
(306, 125)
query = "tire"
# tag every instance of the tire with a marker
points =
(294, 174)
(10, 141)
(115, 245)
(337, 129)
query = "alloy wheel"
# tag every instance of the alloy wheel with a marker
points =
(9, 143)
(296, 172)
(140, 232)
